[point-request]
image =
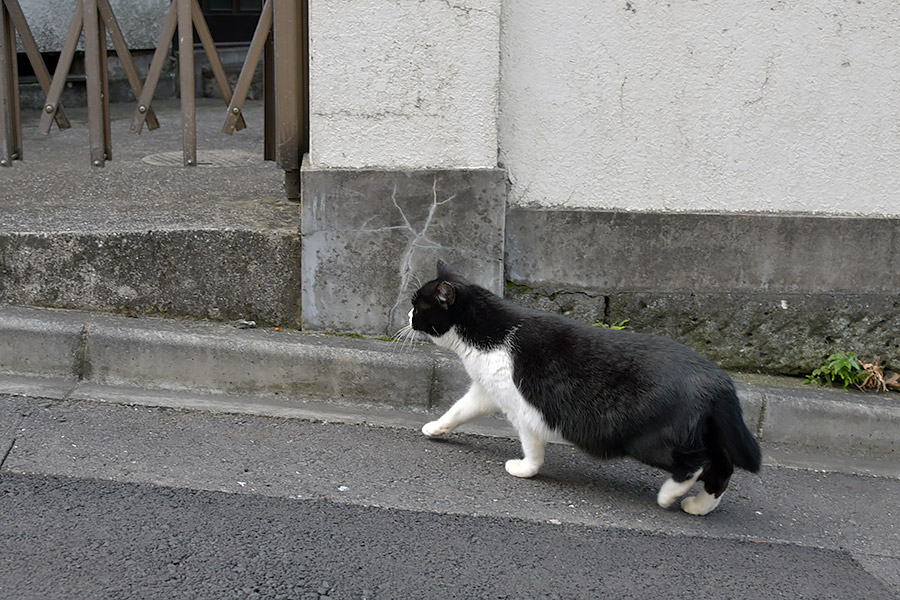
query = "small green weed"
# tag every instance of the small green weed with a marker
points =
(841, 368)
(845, 369)
(619, 325)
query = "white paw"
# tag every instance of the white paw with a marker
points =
(434, 429)
(669, 493)
(701, 504)
(672, 490)
(522, 468)
(665, 500)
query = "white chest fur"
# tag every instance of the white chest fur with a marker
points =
(492, 370)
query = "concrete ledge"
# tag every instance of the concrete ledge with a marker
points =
(200, 365)
(689, 252)
(173, 273)
(775, 293)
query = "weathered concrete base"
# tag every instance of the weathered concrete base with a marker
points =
(780, 333)
(220, 274)
(370, 237)
(774, 293)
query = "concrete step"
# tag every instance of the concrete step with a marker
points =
(144, 234)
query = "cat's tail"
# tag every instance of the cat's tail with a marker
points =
(733, 435)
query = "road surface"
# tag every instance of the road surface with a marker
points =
(109, 501)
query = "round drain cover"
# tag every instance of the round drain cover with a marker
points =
(206, 158)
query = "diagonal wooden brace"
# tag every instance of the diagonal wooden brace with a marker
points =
(156, 65)
(213, 55)
(118, 40)
(51, 104)
(263, 28)
(34, 56)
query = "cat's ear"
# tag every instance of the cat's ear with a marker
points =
(443, 269)
(444, 294)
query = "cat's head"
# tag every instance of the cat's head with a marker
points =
(433, 304)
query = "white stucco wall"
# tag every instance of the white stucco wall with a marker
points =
(707, 105)
(141, 22)
(404, 83)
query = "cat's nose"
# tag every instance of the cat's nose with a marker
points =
(411, 311)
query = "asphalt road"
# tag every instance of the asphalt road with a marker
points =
(100, 501)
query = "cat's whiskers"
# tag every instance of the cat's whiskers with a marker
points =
(406, 337)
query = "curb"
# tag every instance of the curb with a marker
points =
(210, 358)
(84, 351)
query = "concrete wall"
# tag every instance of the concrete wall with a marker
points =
(709, 105)
(402, 84)
(141, 21)
(775, 293)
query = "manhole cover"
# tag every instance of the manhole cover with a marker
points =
(205, 158)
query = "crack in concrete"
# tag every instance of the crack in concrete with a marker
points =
(467, 10)
(406, 260)
(762, 415)
(770, 64)
(375, 230)
(6, 454)
(554, 295)
(376, 116)
(82, 364)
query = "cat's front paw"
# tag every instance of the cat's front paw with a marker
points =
(522, 467)
(434, 429)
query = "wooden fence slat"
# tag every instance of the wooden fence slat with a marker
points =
(7, 91)
(94, 83)
(287, 83)
(186, 79)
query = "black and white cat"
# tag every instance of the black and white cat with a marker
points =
(610, 393)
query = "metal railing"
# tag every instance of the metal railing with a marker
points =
(281, 33)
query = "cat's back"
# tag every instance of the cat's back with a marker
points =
(550, 342)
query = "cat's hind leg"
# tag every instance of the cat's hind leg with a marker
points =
(474, 403)
(715, 478)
